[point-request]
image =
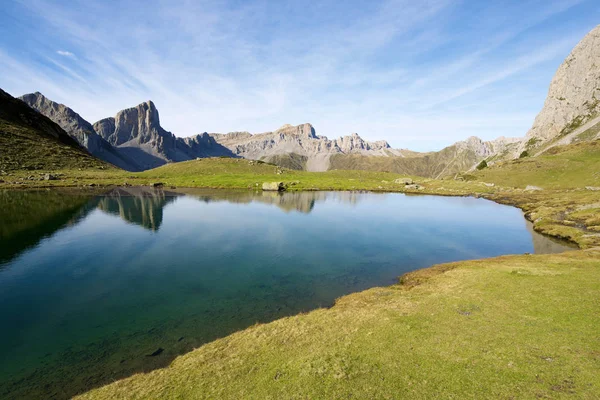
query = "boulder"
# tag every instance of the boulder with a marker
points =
(50, 177)
(404, 181)
(157, 184)
(273, 186)
(594, 188)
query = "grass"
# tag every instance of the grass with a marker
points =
(565, 167)
(509, 327)
(24, 149)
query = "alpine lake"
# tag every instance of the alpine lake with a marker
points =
(98, 286)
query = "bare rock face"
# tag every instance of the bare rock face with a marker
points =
(485, 149)
(140, 123)
(79, 129)
(137, 132)
(105, 127)
(302, 141)
(573, 98)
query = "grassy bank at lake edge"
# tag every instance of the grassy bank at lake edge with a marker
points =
(507, 327)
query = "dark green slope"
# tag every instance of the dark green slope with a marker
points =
(31, 141)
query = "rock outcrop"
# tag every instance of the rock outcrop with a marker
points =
(302, 142)
(571, 111)
(137, 132)
(79, 129)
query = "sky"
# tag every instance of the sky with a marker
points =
(419, 74)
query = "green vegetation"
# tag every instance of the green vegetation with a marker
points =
(514, 326)
(445, 162)
(290, 161)
(524, 154)
(573, 166)
(483, 164)
(24, 149)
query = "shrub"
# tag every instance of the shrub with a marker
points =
(482, 165)
(524, 154)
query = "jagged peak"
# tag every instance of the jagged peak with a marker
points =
(305, 129)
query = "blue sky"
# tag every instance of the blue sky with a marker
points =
(419, 74)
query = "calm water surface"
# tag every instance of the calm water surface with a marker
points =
(95, 288)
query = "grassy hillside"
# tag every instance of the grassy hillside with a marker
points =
(29, 141)
(290, 161)
(510, 327)
(446, 162)
(571, 166)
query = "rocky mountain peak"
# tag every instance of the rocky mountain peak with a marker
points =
(77, 127)
(574, 95)
(140, 123)
(304, 130)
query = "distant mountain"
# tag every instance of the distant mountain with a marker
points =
(32, 141)
(80, 130)
(571, 112)
(300, 147)
(137, 133)
(459, 157)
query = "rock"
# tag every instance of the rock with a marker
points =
(139, 127)
(157, 184)
(533, 188)
(50, 177)
(414, 187)
(572, 98)
(1, 181)
(594, 188)
(404, 181)
(273, 186)
(79, 129)
(488, 184)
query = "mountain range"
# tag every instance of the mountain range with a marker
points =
(134, 139)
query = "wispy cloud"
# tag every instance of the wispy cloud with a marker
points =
(65, 53)
(418, 74)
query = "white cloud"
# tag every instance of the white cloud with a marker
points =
(65, 53)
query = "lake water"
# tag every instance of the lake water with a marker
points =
(97, 287)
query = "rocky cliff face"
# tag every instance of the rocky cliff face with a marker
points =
(79, 129)
(140, 123)
(572, 107)
(137, 133)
